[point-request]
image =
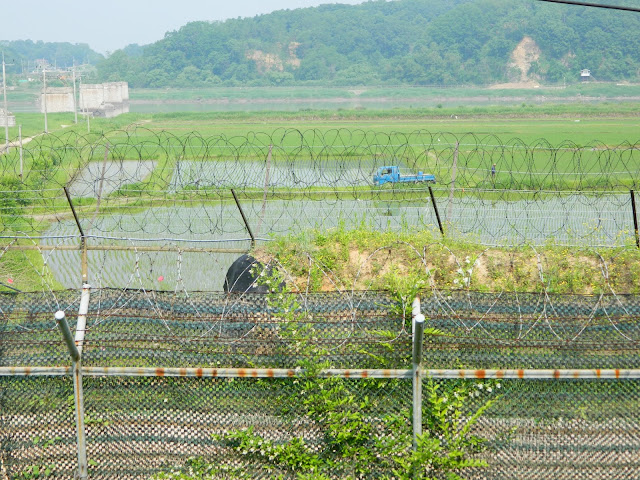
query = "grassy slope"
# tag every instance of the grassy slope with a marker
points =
(365, 259)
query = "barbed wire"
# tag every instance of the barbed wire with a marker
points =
(154, 228)
(148, 184)
(484, 216)
(144, 160)
(152, 304)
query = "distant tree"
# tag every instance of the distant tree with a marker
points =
(358, 74)
(118, 67)
(404, 41)
(62, 55)
(280, 78)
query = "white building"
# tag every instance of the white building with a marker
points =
(105, 99)
(7, 117)
(101, 100)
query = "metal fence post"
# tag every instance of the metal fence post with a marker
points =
(418, 335)
(635, 217)
(76, 357)
(244, 219)
(435, 209)
(83, 239)
(61, 321)
(453, 182)
(81, 326)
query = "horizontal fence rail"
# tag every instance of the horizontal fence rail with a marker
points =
(534, 374)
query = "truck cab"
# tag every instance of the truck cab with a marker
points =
(387, 174)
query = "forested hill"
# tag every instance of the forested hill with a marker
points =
(22, 54)
(424, 42)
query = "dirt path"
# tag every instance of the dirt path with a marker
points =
(15, 144)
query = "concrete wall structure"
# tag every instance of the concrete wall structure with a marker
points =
(91, 96)
(116, 92)
(59, 99)
(101, 100)
(5, 116)
(105, 99)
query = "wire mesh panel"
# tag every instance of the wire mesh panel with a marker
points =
(37, 428)
(28, 333)
(532, 330)
(234, 386)
(565, 429)
(141, 427)
(146, 426)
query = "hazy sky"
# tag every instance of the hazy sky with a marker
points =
(112, 24)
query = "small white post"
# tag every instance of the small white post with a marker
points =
(6, 108)
(81, 326)
(21, 157)
(418, 336)
(75, 106)
(44, 97)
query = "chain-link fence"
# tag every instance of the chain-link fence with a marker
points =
(233, 386)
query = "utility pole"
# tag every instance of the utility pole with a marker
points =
(6, 109)
(44, 96)
(75, 106)
(84, 107)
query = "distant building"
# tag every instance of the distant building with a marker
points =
(7, 117)
(100, 100)
(42, 64)
(105, 99)
(59, 99)
(585, 75)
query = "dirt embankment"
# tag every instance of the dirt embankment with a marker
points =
(369, 260)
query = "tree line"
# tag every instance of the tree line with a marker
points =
(415, 42)
(22, 55)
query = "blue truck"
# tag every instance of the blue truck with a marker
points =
(391, 174)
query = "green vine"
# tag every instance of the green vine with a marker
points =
(356, 440)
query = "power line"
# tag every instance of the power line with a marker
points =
(596, 5)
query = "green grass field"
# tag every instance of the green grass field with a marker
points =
(510, 126)
(509, 129)
(565, 139)
(521, 139)
(581, 113)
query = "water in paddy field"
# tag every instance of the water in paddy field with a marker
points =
(103, 178)
(298, 174)
(526, 217)
(205, 227)
(357, 103)
(570, 220)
